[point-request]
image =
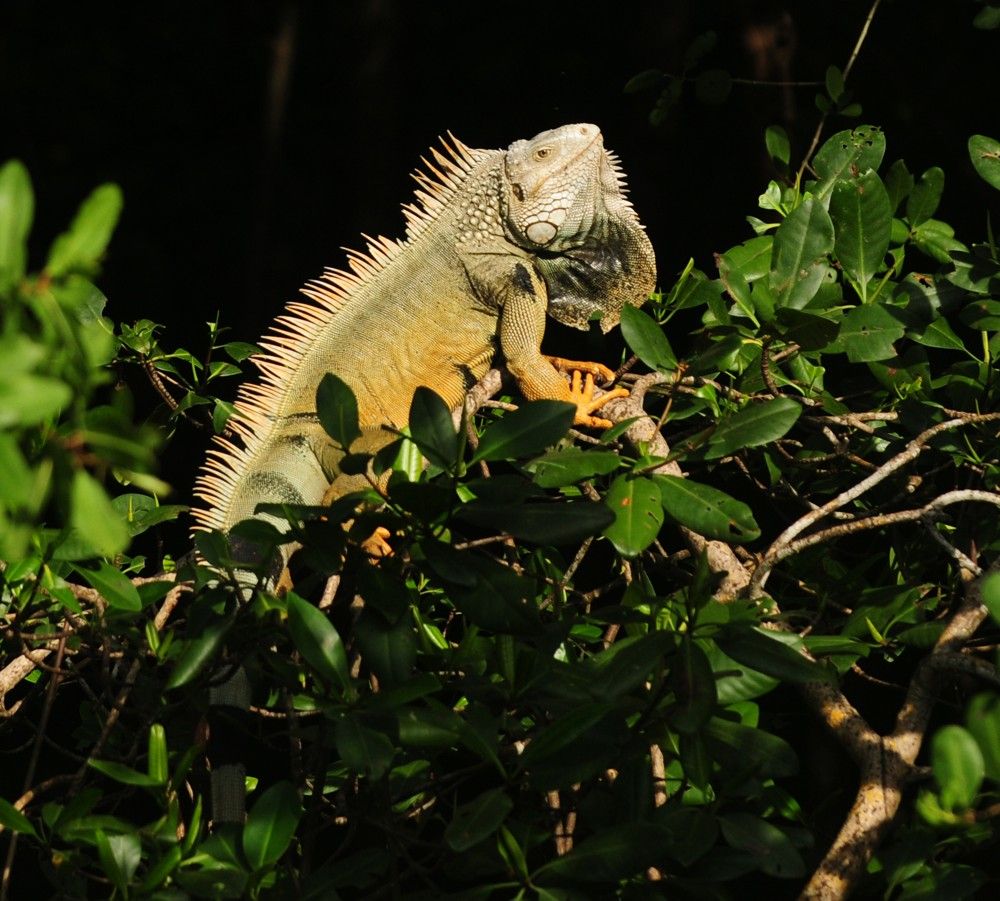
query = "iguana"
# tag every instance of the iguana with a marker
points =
(496, 240)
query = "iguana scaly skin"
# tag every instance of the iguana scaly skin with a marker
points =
(499, 240)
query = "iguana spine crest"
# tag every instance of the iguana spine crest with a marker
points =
(291, 334)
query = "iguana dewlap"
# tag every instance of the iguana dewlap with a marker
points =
(497, 241)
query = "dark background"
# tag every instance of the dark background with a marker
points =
(252, 140)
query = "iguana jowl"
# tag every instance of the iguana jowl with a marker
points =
(499, 239)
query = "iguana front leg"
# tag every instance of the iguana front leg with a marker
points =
(522, 325)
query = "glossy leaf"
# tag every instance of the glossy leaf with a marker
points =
(753, 426)
(478, 819)
(799, 260)
(199, 652)
(862, 213)
(17, 209)
(958, 766)
(526, 431)
(82, 246)
(985, 155)
(645, 336)
(157, 764)
(318, 641)
(769, 654)
(432, 429)
(638, 512)
(271, 825)
(706, 510)
(337, 408)
(113, 585)
(573, 464)
(125, 774)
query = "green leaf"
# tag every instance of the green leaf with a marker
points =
(778, 148)
(337, 408)
(844, 153)
(752, 426)
(199, 652)
(987, 19)
(563, 731)
(867, 334)
(388, 650)
(990, 591)
(772, 849)
(113, 585)
(562, 522)
(364, 750)
(706, 510)
(477, 820)
(27, 399)
(271, 825)
(834, 83)
(124, 774)
(638, 510)
(612, 854)
(17, 209)
(432, 429)
(93, 517)
(693, 682)
(768, 653)
(12, 818)
(925, 196)
(628, 663)
(898, 184)
(157, 764)
(937, 240)
(798, 262)
(573, 464)
(83, 245)
(983, 722)
(750, 749)
(985, 155)
(958, 767)
(809, 330)
(938, 333)
(713, 86)
(646, 338)
(318, 641)
(862, 215)
(526, 431)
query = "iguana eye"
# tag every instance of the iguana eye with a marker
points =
(542, 152)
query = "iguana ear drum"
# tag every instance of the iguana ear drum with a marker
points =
(541, 232)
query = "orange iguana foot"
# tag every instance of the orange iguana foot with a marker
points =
(595, 369)
(581, 393)
(377, 544)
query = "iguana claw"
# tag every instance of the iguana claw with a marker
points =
(581, 393)
(596, 369)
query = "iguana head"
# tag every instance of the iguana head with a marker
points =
(563, 200)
